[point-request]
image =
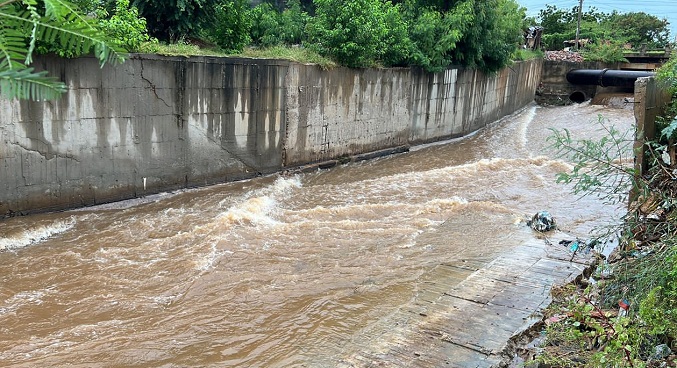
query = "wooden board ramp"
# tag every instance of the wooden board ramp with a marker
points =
(465, 313)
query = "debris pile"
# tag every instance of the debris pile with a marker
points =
(570, 56)
(542, 221)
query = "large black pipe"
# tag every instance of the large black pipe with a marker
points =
(606, 77)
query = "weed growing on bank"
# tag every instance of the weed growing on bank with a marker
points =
(625, 315)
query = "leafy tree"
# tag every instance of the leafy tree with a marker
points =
(124, 28)
(640, 28)
(636, 28)
(231, 25)
(171, 20)
(560, 25)
(25, 22)
(555, 20)
(355, 33)
(492, 36)
(293, 21)
(433, 37)
(265, 25)
(505, 36)
(270, 27)
(396, 43)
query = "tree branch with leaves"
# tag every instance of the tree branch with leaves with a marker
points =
(25, 22)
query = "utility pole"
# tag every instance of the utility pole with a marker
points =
(578, 26)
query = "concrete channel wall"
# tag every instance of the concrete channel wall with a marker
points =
(651, 99)
(162, 123)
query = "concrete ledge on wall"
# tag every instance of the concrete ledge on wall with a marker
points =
(311, 167)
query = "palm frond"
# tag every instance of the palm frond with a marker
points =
(12, 46)
(22, 24)
(32, 14)
(60, 10)
(70, 30)
(25, 83)
(75, 37)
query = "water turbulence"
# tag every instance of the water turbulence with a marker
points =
(299, 270)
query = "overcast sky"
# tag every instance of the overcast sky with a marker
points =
(660, 8)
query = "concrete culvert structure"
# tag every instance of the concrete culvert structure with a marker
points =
(606, 77)
(578, 97)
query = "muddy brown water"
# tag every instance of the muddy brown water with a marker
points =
(299, 270)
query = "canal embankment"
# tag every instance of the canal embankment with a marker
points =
(160, 123)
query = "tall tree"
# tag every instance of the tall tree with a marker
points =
(171, 20)
(640, 28)
(491, 37)
(636, 28)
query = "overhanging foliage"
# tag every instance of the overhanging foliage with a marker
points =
(25, 22)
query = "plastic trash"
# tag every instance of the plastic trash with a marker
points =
(604, 270)
(661, 351)
(542, 221)
(574, 245)
(578, 245)
(623, 307)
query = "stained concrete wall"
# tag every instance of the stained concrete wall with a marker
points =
(160, 123)
(651, 99)
(345, 111)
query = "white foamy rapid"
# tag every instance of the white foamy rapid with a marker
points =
(258, 207)
(35, 234)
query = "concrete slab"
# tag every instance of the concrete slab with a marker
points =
(467, 317)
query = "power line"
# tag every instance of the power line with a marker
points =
(578, 25)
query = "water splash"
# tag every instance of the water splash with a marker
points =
(36, 234)
(259, 205)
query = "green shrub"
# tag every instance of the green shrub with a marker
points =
(230, 30)
(265, 25)
(659, 311)
(502, 35)
(555, 41)
(667, 123)
(477, 34)
(432, 40)
(293, 22)
(271, 28)
(356, 33)
(608, 52)
(125, 27)
(172, 20)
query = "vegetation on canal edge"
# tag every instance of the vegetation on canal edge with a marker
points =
(634, 28)
(626, 314)
(430, 34)
(29, 26)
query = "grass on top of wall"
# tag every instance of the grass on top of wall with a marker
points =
(292, 53)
